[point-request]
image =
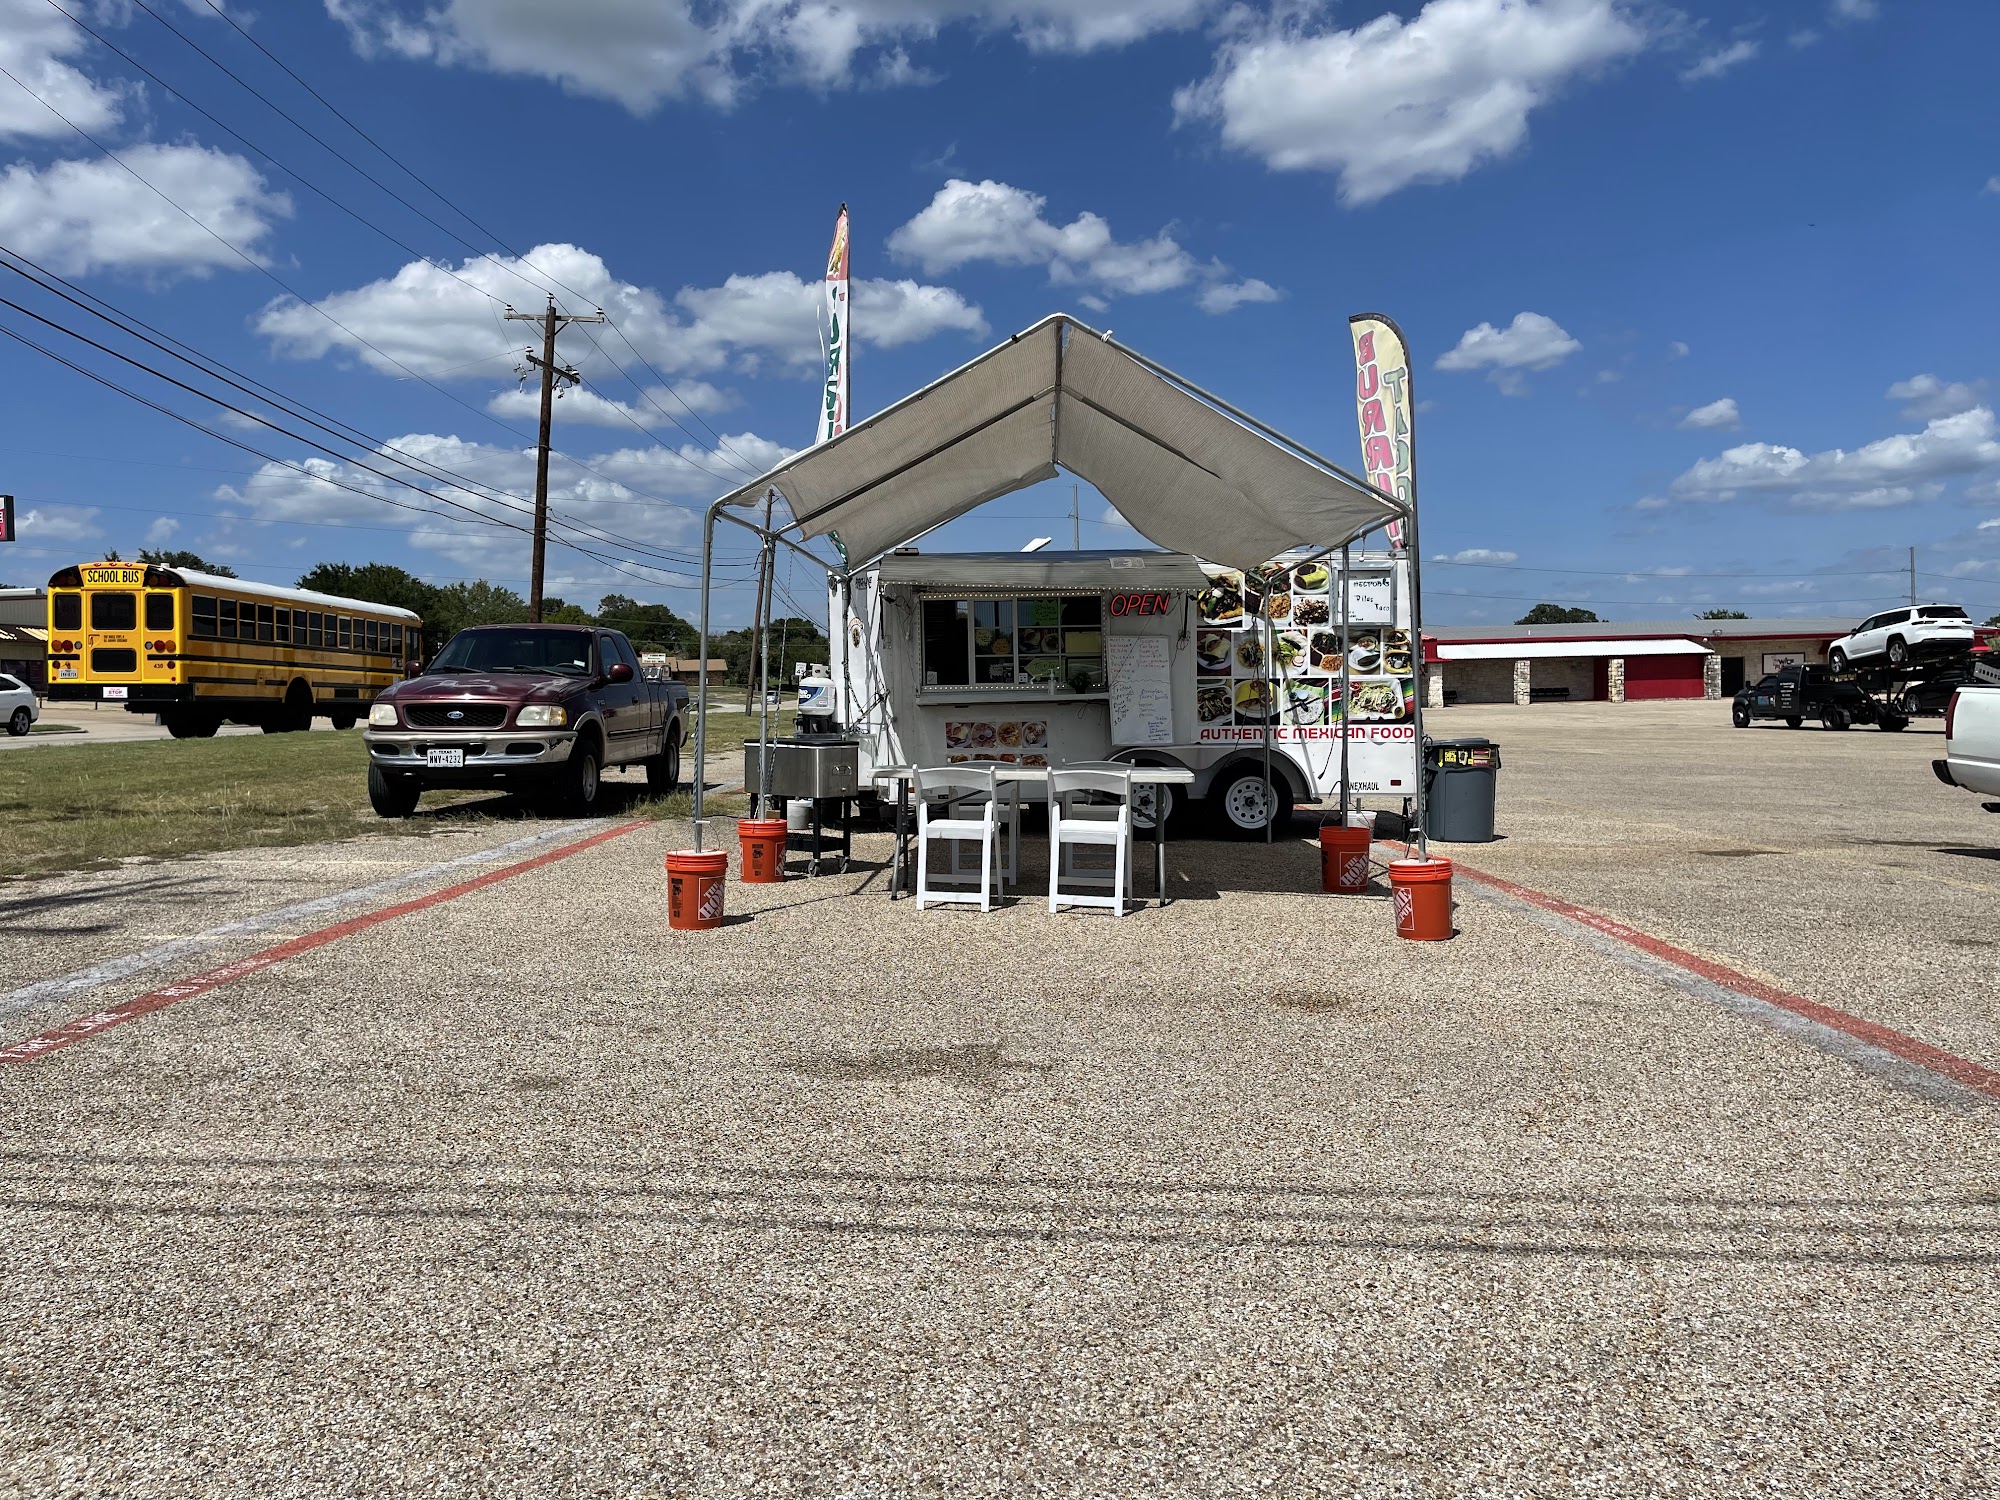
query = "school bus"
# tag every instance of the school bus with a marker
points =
(199, 650)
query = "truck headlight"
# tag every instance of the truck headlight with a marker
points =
(382, 716)
(541, 716)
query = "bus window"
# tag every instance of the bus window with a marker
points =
(374, 639)
(227, 630)
(284, 627)
(159, 611)
(346, 633)
(312, 628)
(396, 642)
(266, 627)
(114, 612)
(204, 616)
(67, 612)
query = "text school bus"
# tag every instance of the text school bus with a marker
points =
(198, 649)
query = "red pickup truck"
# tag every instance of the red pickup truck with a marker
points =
(536, 709)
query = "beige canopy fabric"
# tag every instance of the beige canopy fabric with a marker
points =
(1189, 476)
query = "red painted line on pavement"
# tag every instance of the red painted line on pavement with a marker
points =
(1946, 1064)
(97, 1022)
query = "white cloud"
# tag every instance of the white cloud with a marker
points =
(993, 221)
(640, 53)
(1716, 63)
(1778, 589)
(34, 38)
(1926, 396)
(1113, 517)
(1227, 296)
(161, 531)
(1717, 416)
(1853, 10)
(1531, 342)
(656, 408)
(1901, 470)
(434, 321)
(1474, 555)
(83, 216)
(62, 523)
(1992, 185)
(1395, 102)
(1677, 350)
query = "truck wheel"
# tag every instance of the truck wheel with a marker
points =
(1794, 722)
(1835, 718)
(392, 797)
(1899, 651)
(663, 771)
(17, 724)
(1740, 717)
(1241, 802)
(578, 784)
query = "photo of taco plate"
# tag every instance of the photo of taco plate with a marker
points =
(1311, 578)
(1211, 702)
(1221, 603)
(1256, 702)
(1211, 650)
(1375, 700)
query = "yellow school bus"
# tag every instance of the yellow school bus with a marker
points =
(198, 649)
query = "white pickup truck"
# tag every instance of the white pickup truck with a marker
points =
(1972, 742)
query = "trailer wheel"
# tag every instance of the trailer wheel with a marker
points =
(1241, 802)
(1835, 718)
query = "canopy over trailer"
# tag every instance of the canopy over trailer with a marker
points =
(1190, 472)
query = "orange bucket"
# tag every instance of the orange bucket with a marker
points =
(1343, 859)
(763, 850)
(695, 883)
(1423, 898)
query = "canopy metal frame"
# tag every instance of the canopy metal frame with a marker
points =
(789, 534)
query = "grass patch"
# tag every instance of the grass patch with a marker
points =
(94, 805)
(45, 728)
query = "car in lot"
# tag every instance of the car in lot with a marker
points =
(1972, 742)
(1804, 691)
(540, 710)
(1898, 637)
(18, 708)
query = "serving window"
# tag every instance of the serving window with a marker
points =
(1047, 642)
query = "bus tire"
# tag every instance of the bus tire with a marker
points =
(392, 797)
(343, 718)
(296, 717)
(191, 725)
(1240, 801)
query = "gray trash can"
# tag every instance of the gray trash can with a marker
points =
(1460, 779)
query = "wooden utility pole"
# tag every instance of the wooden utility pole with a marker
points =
(551, 322)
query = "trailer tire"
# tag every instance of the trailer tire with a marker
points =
(1835, 717)
(1240, 802)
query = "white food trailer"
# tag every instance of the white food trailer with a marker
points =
(1153, 657)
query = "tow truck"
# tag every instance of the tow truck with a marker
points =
(1805, 691)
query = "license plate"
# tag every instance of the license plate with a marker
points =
(116, 692)
(446, 760)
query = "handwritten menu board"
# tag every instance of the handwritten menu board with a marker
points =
(1142, 692)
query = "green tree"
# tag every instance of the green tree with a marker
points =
(1994, 620)
(792, 640)
(561, 612)
(1556, 614)
(651, 627)
(378, 583)
(182, 558)
(1721, 614)
(459, 605)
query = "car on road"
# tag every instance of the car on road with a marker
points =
(1972, 742)
(1797, 693)
(1900, 636)
(541, 710)
(18, 708)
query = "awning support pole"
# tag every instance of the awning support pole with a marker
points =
(768, 562)
(701, 707)
(1270, 708)
(1346, 685)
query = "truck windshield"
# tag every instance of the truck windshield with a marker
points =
(565, 653)
(1942, 612)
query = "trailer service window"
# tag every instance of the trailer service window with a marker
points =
(1044, 642)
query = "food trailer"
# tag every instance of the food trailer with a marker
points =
(1153, 657)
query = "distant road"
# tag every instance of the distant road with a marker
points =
(104, 724)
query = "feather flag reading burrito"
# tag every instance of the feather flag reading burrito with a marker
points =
(1382, 402)
(833, 402)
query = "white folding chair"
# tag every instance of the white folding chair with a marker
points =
(959, 804)
(1090, 808)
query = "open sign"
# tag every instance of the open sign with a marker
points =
(1140, 604)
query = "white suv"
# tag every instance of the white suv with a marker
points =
(18, 708)
(1902, 634)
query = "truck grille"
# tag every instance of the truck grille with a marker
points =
(456, 715)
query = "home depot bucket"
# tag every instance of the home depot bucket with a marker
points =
(1343, 859)
(1423, 898)
(763, 850)
(695, 883)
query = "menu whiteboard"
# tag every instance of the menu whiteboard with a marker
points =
(1142, 691)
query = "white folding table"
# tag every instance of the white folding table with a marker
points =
(1015, 775)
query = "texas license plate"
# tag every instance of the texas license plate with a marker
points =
(116, 692)
(445, 760)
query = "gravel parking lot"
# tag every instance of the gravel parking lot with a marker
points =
(521, 1194)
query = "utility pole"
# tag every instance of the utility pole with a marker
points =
(1075, 521)
(551, 322)
(1913, 576)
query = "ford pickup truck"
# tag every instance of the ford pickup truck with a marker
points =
(540, 710)
(1972, 742)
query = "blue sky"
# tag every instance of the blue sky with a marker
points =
(1701, 299)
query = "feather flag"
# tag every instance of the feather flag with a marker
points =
(834, 331)
(1382, 403)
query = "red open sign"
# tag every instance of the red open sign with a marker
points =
(1140, 604)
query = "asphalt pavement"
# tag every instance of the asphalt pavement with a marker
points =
(520, 1193)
